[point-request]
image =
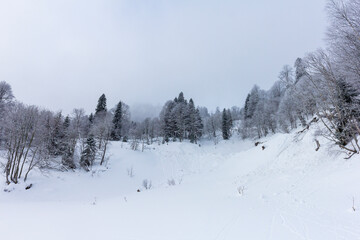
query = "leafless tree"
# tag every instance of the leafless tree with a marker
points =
(101, 130)
(23, 141)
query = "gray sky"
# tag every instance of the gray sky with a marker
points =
(65, 54)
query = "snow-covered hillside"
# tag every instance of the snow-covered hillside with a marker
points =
(232, 190)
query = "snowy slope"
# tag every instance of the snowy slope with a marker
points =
(287, 191)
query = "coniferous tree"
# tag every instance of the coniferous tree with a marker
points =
(246, 107)
(230, 120)
(68, 145)
(225, 125)
(88, 154)
(180, 115)
(66, 123)
(181, 120)
(101, 106)
(191, 119)
(117, 123)
(199, 126)
(181, 98)
(67, 159)
(91, 118)
(57, 134)
(169, 123)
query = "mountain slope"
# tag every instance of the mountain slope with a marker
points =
(233, 190)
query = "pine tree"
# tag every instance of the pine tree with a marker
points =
(101, 106)
(117, 123)
(88, 154)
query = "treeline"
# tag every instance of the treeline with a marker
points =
(322, 86)
(32, 137)
(181, 120)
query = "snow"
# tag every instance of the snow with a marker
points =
(287, 191)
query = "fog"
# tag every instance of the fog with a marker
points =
(65, 54)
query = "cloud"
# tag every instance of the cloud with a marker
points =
(65, 54)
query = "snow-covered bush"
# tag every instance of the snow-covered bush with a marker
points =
(147, 184)
(171, 182)
(240, 190)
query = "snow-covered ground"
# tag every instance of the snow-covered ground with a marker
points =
(233, 190)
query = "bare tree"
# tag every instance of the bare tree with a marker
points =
(101, 130)
(21, 131)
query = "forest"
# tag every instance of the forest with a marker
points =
(322, 86)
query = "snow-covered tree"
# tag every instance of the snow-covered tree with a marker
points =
(117, 123)
(226, 124)
(88, 154)
(101, 106)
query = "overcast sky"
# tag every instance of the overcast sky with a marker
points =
(65, 54)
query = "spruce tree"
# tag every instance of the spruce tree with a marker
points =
(67, 146)
(199, 126)
(246, 108)
(190, 121)
(229, 122)
(88, 154)
(117, 123)
(181, 97)
(193, 121)
(57, 135)
(181, 120)
(225, 125)
(169, 121)
(66, 123)
(180, 113)
(101, 106)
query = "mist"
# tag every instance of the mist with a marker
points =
(65, 54)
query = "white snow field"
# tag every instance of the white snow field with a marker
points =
(233, 190)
